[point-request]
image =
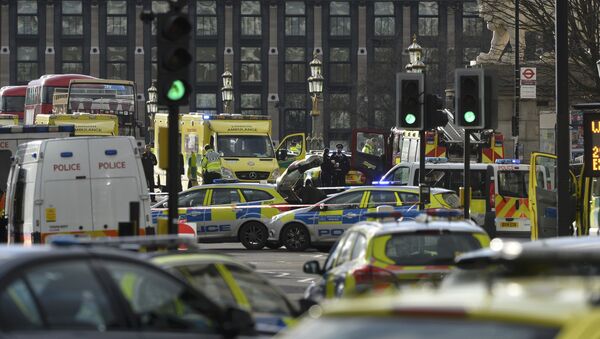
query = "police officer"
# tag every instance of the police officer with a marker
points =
(148, 163)
(211, 165)
(326, 169)
(368, 148)
(295, 148)
(341, 166)
(192, 173)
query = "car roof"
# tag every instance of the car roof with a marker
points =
(234, 185)
(375, 228)
(172, 258)
(549, 301)
(411, 189)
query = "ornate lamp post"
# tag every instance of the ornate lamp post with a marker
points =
(227, 91)
(151, 109)
(415, 52)
(315, 88)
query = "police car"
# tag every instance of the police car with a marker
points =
(228, 212)
(320, 225)
(375, 255)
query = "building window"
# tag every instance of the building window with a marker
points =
(295, 20)
(206, 18)
(339, 111)
(27, 65)
(295, 112)
(385, 22)
(295, 63)
(472, 22)
(339, 18)
(339, 64)
(72, 18)
(428, 18)
(116, 17)
(72, 59)
(116, 63)
(251, 19)
(206, 64)
(27, 17)
(206, 102)
(250, 104)
(251, 66)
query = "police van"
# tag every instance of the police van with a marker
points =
(499, 195)
(80, 185)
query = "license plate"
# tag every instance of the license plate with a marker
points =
(509, 224)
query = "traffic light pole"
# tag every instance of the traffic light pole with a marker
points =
(422, 143)
(173, 177)
(467, 174)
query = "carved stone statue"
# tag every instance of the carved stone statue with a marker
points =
(499, 16)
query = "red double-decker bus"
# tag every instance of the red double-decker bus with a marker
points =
(12, 100)
(38, 98)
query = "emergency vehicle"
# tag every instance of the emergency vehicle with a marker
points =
(321, 224)
(243, 141)
(13, 136)
(9, 119)
(12, 100)
(86, 124)
(499, 192)
(80, 185)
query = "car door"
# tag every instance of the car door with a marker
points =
(370, 154)
(337, 214)
(284, 156)
(220, 220)
(338, 274)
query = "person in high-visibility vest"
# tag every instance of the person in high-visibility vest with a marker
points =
(192, 173)
(295, 148)
(211, 165)
(368, 147)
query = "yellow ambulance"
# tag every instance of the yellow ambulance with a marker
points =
(86, 124)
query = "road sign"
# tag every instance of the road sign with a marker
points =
(591, 144)
(528, 82)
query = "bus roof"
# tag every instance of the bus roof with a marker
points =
(58, 80)
(13, 91)
(102, 81)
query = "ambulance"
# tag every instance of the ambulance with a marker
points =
(86, 124)
(499, 191)
(9, 119)
(79, 185)
(243, 141)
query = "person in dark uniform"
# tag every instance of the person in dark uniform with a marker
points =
(181, 172)
(148, 163)
(326, 169)
(341, 166)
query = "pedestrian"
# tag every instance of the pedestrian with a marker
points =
(211, 165)
(341, 166)
(192, 173)
(148, 163)
(326, 169)
(368, 148)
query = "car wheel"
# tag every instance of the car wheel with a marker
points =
(273, 245)
(295, 238)
(253, 235)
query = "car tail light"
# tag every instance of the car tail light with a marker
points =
(374, 276)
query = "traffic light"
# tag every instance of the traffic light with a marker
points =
(470, 111)
(173, 57)
(434, 116)
(410, 87)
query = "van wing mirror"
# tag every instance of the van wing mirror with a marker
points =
(322, 207)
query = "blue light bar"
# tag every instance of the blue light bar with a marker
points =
(225, 181)
(110, 152)
(380, 183)
(508, 161)
(205, 117)
(436, 160)
(66, 154)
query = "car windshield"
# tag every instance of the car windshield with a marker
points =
(425, 248)
(513, 183)
(252, 146)
(409, 328)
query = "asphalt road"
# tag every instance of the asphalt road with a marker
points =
(282, 268)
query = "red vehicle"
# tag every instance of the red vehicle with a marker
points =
(38, 98)
(12, 100)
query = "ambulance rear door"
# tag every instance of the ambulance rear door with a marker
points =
(115, 182)
(65, 188)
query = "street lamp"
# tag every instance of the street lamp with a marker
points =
(415, 53)
(315, 88)
(227, 91)
(152, 107)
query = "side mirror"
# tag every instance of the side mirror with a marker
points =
(312, 267)
(281, 154)
(322, 207)
(237, 322)
(165, 204)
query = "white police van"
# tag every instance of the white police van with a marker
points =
(81, 185)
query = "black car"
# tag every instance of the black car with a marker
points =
(93, 291)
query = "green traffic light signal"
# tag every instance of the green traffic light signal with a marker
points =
(469, 116)
(176, 91)
(410, 118)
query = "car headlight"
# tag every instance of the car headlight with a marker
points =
(227, 173)
(275, 173)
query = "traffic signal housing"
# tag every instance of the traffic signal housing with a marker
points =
(472, 99)
(410, 89)
(434, 116)
(173, 58)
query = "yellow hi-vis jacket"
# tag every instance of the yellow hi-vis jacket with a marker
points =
(367, 149)
(211, 162)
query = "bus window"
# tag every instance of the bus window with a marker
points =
(513, 183)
